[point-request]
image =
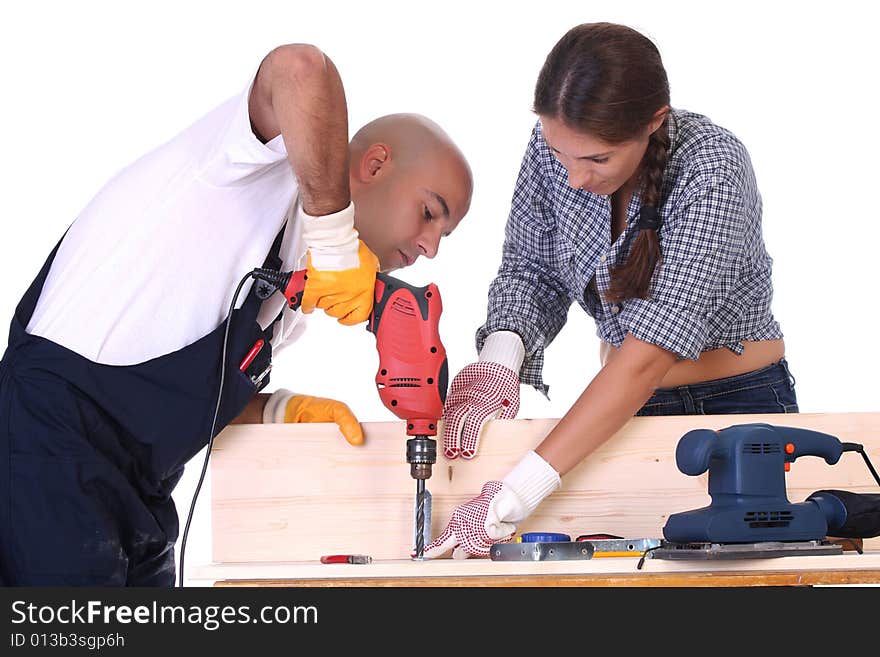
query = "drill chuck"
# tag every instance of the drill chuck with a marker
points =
(421, 454)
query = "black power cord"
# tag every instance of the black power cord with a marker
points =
(645, 556)
(855, 447)
(213, 426)
(278, 280)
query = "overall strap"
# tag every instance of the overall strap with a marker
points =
(25, 309)
(273, 261)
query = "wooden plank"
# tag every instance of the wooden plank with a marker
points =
(286, 493)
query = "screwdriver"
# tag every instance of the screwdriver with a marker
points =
(346, 558)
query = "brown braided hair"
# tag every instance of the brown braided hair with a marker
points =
(608, 81)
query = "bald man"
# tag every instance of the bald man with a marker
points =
(143, 334)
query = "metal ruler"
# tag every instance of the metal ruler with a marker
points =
(622, 547)
(557, 551)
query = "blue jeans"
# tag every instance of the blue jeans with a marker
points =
(767, 390)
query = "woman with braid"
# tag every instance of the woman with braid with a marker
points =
(649, 217)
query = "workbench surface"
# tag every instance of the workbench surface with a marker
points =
(842, 569)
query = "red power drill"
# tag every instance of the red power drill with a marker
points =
(413, 372)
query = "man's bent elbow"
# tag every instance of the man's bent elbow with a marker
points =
(300, 61)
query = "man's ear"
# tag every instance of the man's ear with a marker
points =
(374, 162)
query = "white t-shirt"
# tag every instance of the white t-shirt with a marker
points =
(151, 264)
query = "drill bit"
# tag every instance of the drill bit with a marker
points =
(422, 524)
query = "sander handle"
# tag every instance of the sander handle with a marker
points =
(697, 448)
(806, 442)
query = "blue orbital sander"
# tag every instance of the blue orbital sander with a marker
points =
(750, 515)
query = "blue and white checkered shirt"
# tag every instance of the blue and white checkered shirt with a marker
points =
(712, 289)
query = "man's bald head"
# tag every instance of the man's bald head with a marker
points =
(410, 184)
(412, 136)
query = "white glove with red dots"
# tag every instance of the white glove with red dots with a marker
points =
(485, 390)
(492, 516)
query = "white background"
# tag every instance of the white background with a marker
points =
(88, 87)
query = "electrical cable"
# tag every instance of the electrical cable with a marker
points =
(870, 467)
(868, 463)
(213, 426)
(645, 556)
(856, 447)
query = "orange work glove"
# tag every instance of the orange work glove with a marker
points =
(285, 406)
(346, 294)
(341, 270)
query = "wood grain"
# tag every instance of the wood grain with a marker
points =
(288, 493)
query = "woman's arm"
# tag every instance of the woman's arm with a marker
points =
(528, 295)
(614, 395)
(702, 247)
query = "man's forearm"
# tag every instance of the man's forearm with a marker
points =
(253, 412)
(616, 393)
(300, 96)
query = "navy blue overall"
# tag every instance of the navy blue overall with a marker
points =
(90, 453)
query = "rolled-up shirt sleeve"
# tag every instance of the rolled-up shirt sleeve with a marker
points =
(702, 252)
(527, 295)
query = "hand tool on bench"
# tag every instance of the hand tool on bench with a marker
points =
(609, 545)
(542, 546)
(347, 558)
